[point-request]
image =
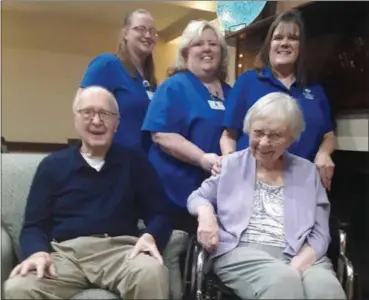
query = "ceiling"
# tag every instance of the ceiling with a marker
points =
(170, 16)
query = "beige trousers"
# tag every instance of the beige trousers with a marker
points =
(87, 262)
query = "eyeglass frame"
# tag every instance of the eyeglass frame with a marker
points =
(143, 30)
(108, 115)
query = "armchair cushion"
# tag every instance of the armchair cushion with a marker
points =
(17, 173)
(176, 245)
(7, 256)
(95, 294)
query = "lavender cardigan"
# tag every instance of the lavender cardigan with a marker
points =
(231, 193)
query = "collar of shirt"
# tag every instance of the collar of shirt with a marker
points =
(112, 157)
(128, 65)
(267, 74)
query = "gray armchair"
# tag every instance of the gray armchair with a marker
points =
(17, 175)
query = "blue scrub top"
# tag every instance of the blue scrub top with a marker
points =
(180, 105)
(251, 86)
(106, 70)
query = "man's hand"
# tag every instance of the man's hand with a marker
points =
(40, 262)
(146, 244)
(325, 165)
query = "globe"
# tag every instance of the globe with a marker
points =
(235, 15)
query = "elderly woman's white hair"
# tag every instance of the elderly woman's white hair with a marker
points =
(280, 107)
(192, 32)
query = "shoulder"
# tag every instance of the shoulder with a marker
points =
(175, 81)
(57, 159)
(106, 58)
(302, 166)
(245, 80)
(235, 159)
(127, 153)
(103, 70)
(249, 75)
(173, 85)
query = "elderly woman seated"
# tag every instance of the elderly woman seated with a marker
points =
(265, 217)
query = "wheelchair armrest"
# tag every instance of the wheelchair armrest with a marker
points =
(200, 266)
(345, 268)
(343, 241)
(194, 271)
(345, 274)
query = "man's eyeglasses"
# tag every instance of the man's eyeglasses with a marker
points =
(106, 116)
(143, 30)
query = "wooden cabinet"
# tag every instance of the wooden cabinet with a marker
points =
(337, 50)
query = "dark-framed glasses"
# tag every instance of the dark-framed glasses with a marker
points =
(143, 30)
(106, 116)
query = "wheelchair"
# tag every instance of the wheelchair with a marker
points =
(200, 284)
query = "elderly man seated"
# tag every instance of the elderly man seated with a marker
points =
(80, 226)
(265, 217)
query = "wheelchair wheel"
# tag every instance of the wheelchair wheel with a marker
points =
(189, 283)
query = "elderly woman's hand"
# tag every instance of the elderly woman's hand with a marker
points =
(304, 259)
(325, 165)
(207, 231)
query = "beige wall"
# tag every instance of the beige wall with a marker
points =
(43, 60)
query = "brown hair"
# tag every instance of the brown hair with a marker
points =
(148, 67)
(262, 59)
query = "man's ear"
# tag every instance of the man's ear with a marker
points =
(116, 127)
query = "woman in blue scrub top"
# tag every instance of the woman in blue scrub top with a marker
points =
(185, 117)
(129, 75)
(281, 70)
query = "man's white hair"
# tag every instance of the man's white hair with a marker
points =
(93, 89)
(279, 107)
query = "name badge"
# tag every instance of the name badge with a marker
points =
(150, 94)
(217, 105)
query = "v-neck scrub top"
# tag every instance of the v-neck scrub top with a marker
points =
(108, 71)
(183, 105)
(251, 86)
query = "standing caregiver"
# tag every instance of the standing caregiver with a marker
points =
(281, 69)
(129, 75)
(185, 117)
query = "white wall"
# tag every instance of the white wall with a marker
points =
(352, 133)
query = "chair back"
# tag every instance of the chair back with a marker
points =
(17, 174)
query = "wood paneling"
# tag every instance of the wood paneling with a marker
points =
(28, 147)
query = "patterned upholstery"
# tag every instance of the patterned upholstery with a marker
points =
(17, 173)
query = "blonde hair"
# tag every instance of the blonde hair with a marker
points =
(193, 31)
(277, 106)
